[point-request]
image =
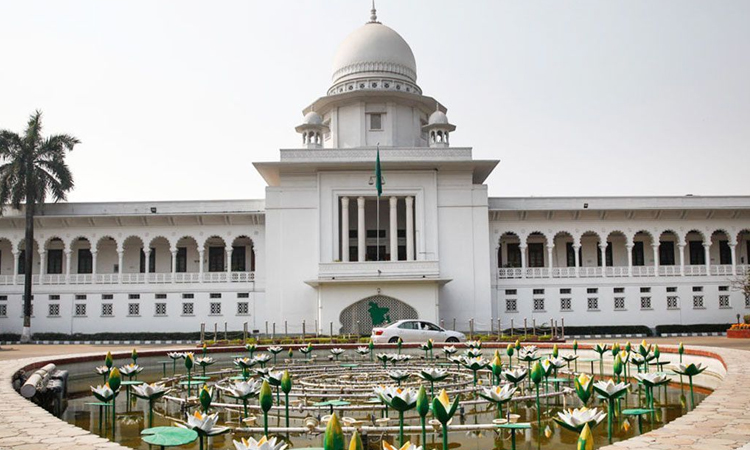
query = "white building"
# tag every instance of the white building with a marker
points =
(314, 251)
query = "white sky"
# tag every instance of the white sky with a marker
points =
(174, 99)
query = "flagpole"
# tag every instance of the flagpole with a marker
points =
(377, 214)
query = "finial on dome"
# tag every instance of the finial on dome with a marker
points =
(373, 13)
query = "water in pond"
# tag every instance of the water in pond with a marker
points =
(326, 380)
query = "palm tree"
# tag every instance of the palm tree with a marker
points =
(32, 167)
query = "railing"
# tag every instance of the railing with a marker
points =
(130, 278)
(379, 269)
(723, 270)
(691, 271)
(537, 272)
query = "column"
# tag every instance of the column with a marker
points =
(16, 255)
(655, 248)
(629, 247)
(361, 245)
(733, 250)
(43, 267)
(93, 265)
(682, 259)
(200, 264)
(394, 229)
(522, 248)
(229, 258)
(603, 251)
(550, 252)
(577, 252)
(68, 253)
(174, 261)
(344, 229)
(146, 262)
(410, 228)
(120, 255)
(707, 249)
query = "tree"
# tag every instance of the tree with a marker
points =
(742, 283)
(32, 168)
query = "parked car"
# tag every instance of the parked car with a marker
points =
(414, 331)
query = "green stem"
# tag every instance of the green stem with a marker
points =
(114, 416)
(244, 406)
(150, 413)
(692, 396)
(265, 423)
(611, 407)
(286, 408)
(424, 433)
(445, 436)
(538, 409)
(401, 428)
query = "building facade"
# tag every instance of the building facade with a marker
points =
(323, 251)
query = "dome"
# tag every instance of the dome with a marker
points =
(438, 118)
(374, 49)
(312, 118)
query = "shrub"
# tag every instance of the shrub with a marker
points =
(693, 328)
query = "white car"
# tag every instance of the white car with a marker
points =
(414, 331)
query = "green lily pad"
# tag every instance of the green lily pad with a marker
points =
(131, 383)
(191, 383)
(168, 436)
(637, 411)
(201, 378)
(106, 405)
(515, 426)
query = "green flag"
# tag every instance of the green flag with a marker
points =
(378, 176)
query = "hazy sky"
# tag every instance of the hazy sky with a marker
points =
(176, 99)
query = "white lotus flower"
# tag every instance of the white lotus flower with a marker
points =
(457, 359)
(498, 394)
(652, 379)
(204, 423)
(363, 350)
(243, 389)
(401, 358)
(275, 349)
(264, 371)
(576, 419)
(527, 353)
(609, 389)
(150, 391)
(131, 369)
(398, 375)
(204, 361)
(473, 344)
(557, 363)
(103, 393)
(262, 358)
(449, 349)
(569, 358)
(176, 355)
(402, 396)
(101, 370)
(473, 353)
(433, 374)
(515, 375)
(337, 351)
(274, 377)
(263, 444)
(244, 362)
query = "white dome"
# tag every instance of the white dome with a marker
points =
(438, 118)
(374, 48)
(312, 118)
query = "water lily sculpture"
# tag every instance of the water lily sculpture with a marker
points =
(497, 368)
(585, 439)
(265, 398)
(204, 361)
(509, 350)
(131, 370)
(399, 399)
(650, 381)
(427, 348)
(449, 350)
(681, 351)
(108, 360)
(306, 350)
(275, 350)
(204, 424)
(443, 410)
(243, 390)
(473, 344)
(151, 393)
(115, 380)
(263, 444)
(134, 356)
(475, 365)
(576, 419)
(103, 371)
(336, 352)
(537, 373)
(363, 350)
(601, 349)
(690, 371)
(515, 376)
(174, 356)
(189, 366)
(384, 358)
(251, 348)
(286, 387)
(584, 386)
(262, 359)
(423, 407)
(499, 396)
(333, 438)
(611, 392)
(398, 375)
